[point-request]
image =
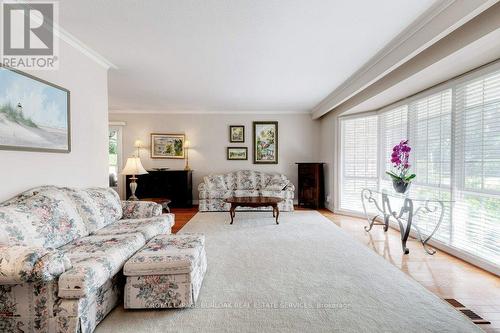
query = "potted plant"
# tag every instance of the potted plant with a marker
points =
(401, 179)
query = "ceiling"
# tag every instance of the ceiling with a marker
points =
(227, 55)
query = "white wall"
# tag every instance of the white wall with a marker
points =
(87, 164)
(209, 137)
(327, 154)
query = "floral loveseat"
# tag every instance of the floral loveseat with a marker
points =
(61, 253)
(244, 183)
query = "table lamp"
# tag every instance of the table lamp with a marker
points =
(132, 168)
(186, 148)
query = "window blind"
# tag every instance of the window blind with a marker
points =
(430, 138)
(359, 160)
(393, 129)
(476, 219)
(455, 138)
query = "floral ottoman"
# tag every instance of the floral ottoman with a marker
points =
(166, 273)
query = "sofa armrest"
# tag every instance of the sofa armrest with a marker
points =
(202, 187)
(289, 187)
(20, 264)
(140, 209)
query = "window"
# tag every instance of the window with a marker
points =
(454, 132)
(476, 222)
(393, 129)
(430, 138)
(114, 153)
(359, 160)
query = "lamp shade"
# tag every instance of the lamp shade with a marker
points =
(134, 167)
(138, 144)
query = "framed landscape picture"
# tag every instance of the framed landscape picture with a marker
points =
(236, 133)
(265, 142)
(167, 145)
(237, 153)
(34, 114)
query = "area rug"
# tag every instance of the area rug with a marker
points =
(303, 275)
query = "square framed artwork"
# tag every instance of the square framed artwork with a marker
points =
(265, 142)
(167, 145)
(237, 153)
(34, 113)
(236, 133)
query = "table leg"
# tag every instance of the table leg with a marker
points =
(277, 213)
(408, 206)
(274, 211)
(232, 213)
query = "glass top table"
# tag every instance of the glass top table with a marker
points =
(412, 206)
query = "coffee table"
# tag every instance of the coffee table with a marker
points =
(254, 202)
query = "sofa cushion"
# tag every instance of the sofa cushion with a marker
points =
(95, 260)
(277, 194)
(20, 264)
(166, 254)
(148, 227)
(216, 194)
(97, 206)
(250, 180)
(46, 219)
(246, 193)
(27, 194)
(215, 182)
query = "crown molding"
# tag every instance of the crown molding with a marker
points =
(435, 23)
(82, 47)
(208, 112)
(77, 44)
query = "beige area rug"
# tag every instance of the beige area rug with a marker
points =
(304, 275)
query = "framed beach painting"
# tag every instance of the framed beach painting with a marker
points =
(167, 145)
(236, 133)
(237, 153)
(265, 142)
(34, 114)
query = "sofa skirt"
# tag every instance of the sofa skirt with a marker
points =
(35, 307)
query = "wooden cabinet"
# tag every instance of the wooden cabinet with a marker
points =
(176, 185)
(311, 186)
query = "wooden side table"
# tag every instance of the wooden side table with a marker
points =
(164, 202)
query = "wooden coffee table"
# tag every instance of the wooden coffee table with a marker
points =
(254, 202)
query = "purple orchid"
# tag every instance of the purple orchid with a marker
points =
(400, 160)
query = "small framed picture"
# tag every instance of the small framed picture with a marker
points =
(237, 153)
(167, 145)
(236, 133)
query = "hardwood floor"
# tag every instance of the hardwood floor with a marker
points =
(182, 216)
(443, 274)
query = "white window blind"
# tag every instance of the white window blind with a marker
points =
(430, 139)
(455, 138)
(476, 219)
(393, 129)
(359, 160)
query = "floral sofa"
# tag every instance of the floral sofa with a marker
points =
(245, 183)
(61, 253)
